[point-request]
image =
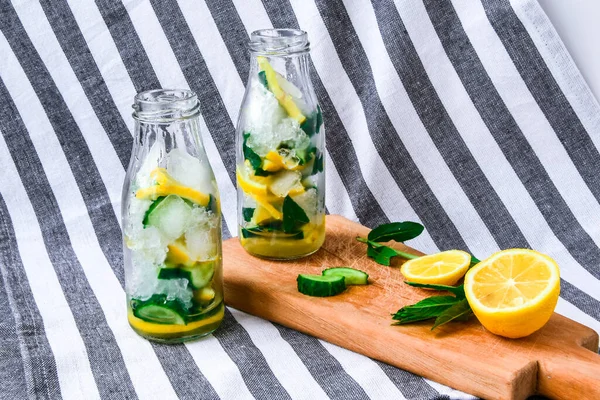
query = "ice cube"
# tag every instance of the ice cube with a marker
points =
(171, 217)
(201, 218)
(151, 161)
(189, 171)
(201, 243)
(262, 114)
(285, 181)
(288, 86)
(143, 283)
(148, 243)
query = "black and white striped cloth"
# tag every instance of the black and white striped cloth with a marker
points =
(467, 115)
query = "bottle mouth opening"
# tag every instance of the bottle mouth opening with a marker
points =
(279, 41)
(165, 105)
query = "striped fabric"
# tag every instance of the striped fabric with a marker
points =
(466, 115)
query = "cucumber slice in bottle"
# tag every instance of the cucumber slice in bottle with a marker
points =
(201, 273)
(173, 273)
(321, 286)
(157, 309)
(150, 209)
(170, 216)
(351, 275)
(198, 275)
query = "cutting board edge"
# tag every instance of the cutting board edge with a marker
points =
(514, 380)
(501, 383)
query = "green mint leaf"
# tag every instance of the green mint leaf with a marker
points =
(212, 204)
(262, 78)
(306, 154)
(261, 172)
(293, 215)
(397, 231)
(428, 308)
(458, 291)
(248, 233)
(250, 155)
(312, 123)
(247, 213)
(409, 319)
(459, 311)
(319, 118)
(382, 255)
(318, 165)
(474, 261)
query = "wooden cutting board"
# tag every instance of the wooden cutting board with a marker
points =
(559, 361)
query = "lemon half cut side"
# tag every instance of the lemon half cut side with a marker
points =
(513, 293)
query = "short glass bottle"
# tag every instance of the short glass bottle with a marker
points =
(280, 150)
(171, 222)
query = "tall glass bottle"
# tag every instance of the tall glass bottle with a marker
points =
(171, 222)
(280, 150)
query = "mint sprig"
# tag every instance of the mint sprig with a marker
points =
(425, 309)
(396, 231)
(443, 308)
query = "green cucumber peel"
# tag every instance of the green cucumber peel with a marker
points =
(154, 204)
(352, 276)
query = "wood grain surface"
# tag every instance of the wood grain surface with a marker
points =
(555, 361)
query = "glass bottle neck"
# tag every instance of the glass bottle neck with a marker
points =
(165, 106)
(279, 42)
(168, 118)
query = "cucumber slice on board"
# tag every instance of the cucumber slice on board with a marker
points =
(157, 309)
(351, 275)
(321, 286)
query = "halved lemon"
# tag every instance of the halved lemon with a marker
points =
(514, 292)
(444, 268)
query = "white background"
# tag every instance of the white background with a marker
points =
(578, 24)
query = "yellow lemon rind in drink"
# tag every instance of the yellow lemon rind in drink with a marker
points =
(166, 185)
(284, 99)
(281, 247)
(274, 162)
(535, 276)
(153, 329)
(445, 268)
